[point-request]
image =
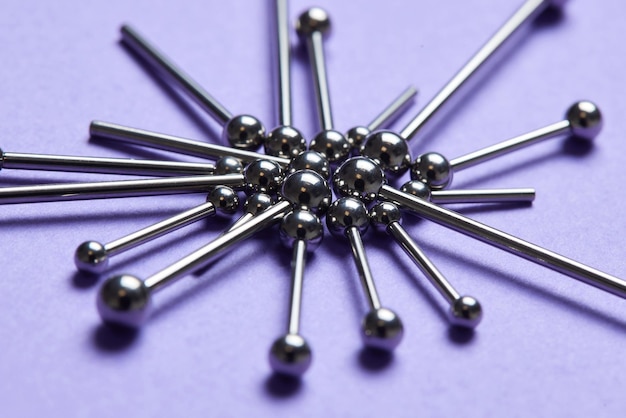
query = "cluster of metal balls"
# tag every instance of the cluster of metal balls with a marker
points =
(356, 165)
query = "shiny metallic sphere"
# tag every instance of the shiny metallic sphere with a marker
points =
(384, 214)
(91, 257)
(124, 300)
(585, 120)
(228, 165)
(432, 169)
(359, 177)
(465, 312)
(307, 190)
(244, 132)
(310, 160)
(382, 329)
(225, 199)
(331, 144)
(313, 20)
(389, 150)
(416, 188)
(284, 141)
(346, 213)
(258, 202)
(263, 176)
(356, 136)
(302, 225)
(290, 355)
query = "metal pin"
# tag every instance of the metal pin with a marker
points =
(391, 150)
(115, 189)
(127, 301)
(127, 166)
(284, 140)
(363, 178)
(357, 135)
(93, 257)
(521, 18)
(242, 131)
(421, 190)
(381, 327)
(135, 136)
(312, 26)
(301, 230)
(465, 311)
(583, 120)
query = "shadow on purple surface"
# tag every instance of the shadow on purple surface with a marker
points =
(185, 105)
(570, 147)
(84, 280)
(460, 335)
(110, 339)
(552, 16)
(375, 360)
(536, 291)
(281, 386)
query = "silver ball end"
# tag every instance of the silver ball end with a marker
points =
(382, 329)
(91, 257)
(290, 355)
(124, 300)
(585, 120)
(465, 312)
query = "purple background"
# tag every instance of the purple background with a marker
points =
(548, 344)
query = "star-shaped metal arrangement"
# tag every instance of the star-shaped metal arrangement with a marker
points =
(291, 186)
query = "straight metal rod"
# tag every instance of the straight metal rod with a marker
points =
(518, 195)
(423, 262)
(362, 265)
(298, 262)
(164, 65)
(204, 255)
(506, 242)
(112, 131)
(394, 109)
(522, 17)
(115, 189)
(159, 229)
(510, 145)
(284, 61)
(127, 166)
(315, 46)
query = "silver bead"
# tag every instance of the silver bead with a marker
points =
(465, 312)
(416, 188)
(432, 169)
(312, 20)
(285, 141)
(585, 120)
(244, 132)
(356, 136)
(389, 150)
(382, 329)
(263, 176)
(302, 225)
(332, 144)
(346, 213)
(307, 190)
(225, 199)
(310, 160)
(290, 355)
(228, 165)
(124, 300)
(91, 256)
(383, 214)
(359, 177)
